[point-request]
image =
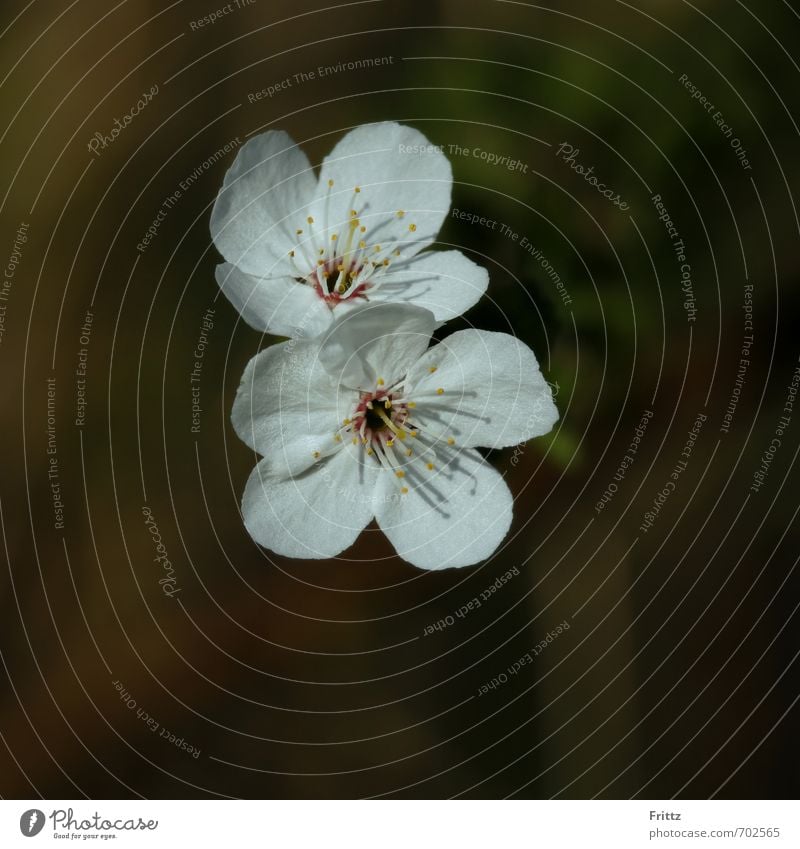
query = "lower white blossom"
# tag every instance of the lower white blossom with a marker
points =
(367, 421)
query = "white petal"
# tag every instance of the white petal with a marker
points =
(397, 170)
(456, 515)
(444, 282)
(287, 408)
(494, 394)
(380, 340)
(278, 305)
(264, 194)
(315, 515)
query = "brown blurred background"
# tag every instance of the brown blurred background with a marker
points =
(678, 674)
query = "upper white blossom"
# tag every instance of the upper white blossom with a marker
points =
(368, 421)
(302, 250)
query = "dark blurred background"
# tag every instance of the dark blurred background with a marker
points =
(678, 674)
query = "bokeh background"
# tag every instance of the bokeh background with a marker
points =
(678, 675)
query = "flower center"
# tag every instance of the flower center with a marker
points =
(343, 262)
(341, 277)
(380, 417)
(387, 425)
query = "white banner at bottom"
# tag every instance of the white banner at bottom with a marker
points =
(401, 824)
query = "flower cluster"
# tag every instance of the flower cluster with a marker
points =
(357, 417)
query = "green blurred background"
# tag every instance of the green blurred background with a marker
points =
(678, 674)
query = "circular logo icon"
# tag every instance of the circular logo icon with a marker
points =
(31, 822)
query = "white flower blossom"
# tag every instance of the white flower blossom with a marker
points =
(302, 250)
(366, 421)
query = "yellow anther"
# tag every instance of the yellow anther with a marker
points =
(380, 381)
(355, 440)
(346, 421)
(334, 237)
(337, 437)
(389, 442)
(370, 452)
(432, 369)
(409, 452)
(414, 434)
(400, 473)
(340, 267)
(429, 466)
(357, 189)
(386, 262)
(412, 228)
(341, 288)
(353, 213)
(299, 232)
(291, 253)
(320, 262)
(321, 251)
(411, 404)
(362, 244)
(450, 440)
(404, 490)
(330, 184)
(316, 455)
(400, 213)
(440, 391)
(310, 220)
(401, 435)
(377, 249)
(363, 229)
(396, 252)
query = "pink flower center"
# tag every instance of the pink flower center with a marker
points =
(341, 279)
(341, 260)
(381, 416)
(387, 426)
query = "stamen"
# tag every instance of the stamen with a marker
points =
(398, 431)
